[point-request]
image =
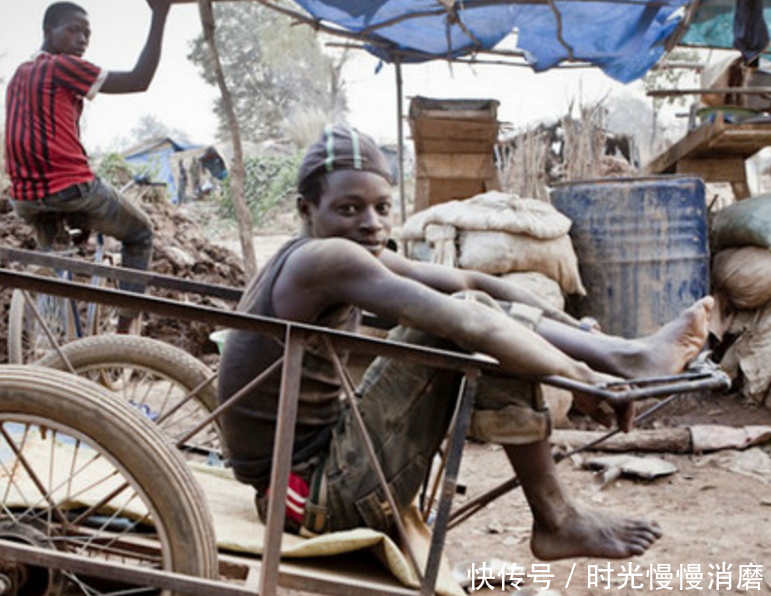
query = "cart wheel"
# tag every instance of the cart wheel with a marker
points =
(153, 377)
(27, 340)
(87, 475)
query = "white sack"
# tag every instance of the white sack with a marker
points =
(499, 252)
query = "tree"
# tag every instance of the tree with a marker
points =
(276, 72)
(667, 75)
(149, 127)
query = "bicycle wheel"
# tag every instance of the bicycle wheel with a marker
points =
(86, 475)
(27, 339)
(154, 378)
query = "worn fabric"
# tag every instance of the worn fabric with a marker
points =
(44, 102)
(102, 208)
(407, 409)
(250, 425)
(342, 147)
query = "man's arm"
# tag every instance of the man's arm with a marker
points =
(327, 273)
(448, 280)
(139, 78)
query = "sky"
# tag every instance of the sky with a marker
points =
(180, 99)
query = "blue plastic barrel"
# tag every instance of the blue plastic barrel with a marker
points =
(642, 247)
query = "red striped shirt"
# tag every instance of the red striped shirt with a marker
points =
(44, 101)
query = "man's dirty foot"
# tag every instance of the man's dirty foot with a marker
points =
(671, 348)
(593, 534)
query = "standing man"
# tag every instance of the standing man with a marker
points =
(45, 160)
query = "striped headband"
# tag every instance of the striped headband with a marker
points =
(342, 147)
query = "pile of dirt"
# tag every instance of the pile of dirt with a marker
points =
(181, 249)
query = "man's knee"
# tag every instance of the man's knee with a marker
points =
(510, 411)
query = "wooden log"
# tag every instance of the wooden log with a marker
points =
(670, 440)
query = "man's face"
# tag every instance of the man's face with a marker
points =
(355, 205)
(70, 35)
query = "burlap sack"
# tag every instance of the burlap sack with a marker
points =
(491, 211)
(744, 223)
(744, 276)
(500, 252)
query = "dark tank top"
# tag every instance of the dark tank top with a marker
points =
(249, 427)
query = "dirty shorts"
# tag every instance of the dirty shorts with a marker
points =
(407, 409)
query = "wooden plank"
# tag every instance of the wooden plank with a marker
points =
(432, 191)
(454, 129)
(666, 161)
(455, 165)
(717, 169)
(713, 140)
(457, 114)
(428, 145)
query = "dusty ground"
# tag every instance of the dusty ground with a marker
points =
(715, 510)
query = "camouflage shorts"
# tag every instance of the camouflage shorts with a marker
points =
(407, 409)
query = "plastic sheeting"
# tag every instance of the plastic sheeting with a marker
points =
(623, 38)
(717, 24)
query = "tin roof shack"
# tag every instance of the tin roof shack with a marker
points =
(454, 148)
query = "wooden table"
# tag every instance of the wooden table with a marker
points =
(716, 152)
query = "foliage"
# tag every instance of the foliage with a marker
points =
(275, 71)
(115, 170)
(149, 127)
(666, 76)
(269, 181)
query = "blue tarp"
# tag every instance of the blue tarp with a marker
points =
(154, 158)
(624, 39)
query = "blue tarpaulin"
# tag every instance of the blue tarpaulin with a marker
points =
(623, 38)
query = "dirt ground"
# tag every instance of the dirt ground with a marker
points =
(715, 510)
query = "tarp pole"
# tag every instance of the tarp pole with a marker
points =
(400, 137)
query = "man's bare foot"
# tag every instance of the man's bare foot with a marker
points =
(594, 534)
(671, 348)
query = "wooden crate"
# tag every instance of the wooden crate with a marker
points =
(454, 140)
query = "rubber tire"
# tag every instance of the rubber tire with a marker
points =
(146, 354)
(61, 401)
(17, 315)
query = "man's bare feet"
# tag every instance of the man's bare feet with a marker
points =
(671, 348)
(594, 534)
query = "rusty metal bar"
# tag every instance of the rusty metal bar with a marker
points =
(240, 394)
(47, 330)
(685, 383)
(168, 282)
(349, 390)
(455, 448)
(175, 408)
(282, 457)
(217, 316)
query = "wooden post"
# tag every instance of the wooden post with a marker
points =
(237, 173)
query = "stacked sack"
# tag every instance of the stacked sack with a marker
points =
(522, 240)
(501, 234)
(740, 236)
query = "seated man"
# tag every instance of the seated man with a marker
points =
(338, 267)
(45, 159)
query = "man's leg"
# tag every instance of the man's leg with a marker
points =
(407, 410)
(667, 351)
(560, 528)
(111, 213)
